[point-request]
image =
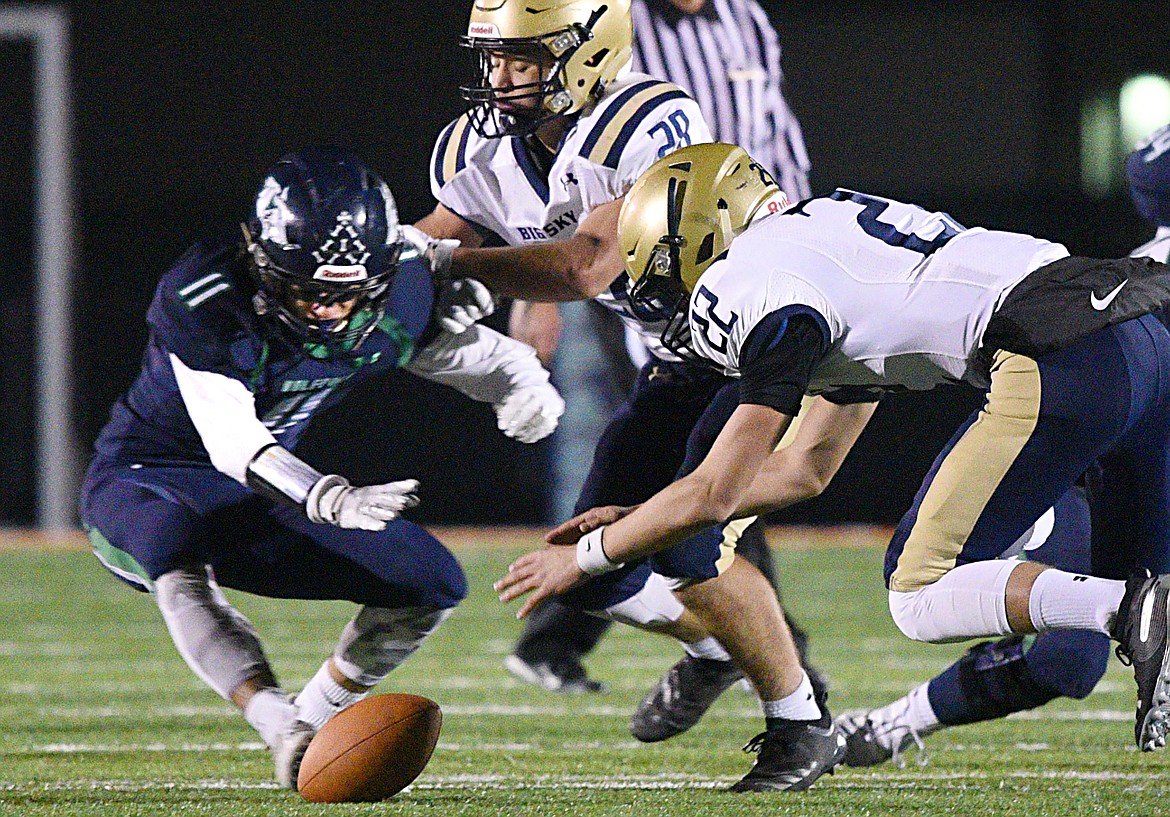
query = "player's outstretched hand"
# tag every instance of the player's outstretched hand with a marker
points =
(567, 533)
(530, 413)
(461, 303)
(335, 501)
(436, 252)
(540, 574)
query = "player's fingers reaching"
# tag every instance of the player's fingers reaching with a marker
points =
(540, 574)
(368, 508)
(517, 586)
(567, 533)
(532, 602)
(396, 496)
(515, 582)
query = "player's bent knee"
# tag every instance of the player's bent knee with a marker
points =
(969, 601)
(654, 605)
(907, 610)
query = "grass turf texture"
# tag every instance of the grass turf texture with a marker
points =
(101, 717)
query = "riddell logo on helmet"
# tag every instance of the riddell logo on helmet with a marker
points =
(333, 272)
(483, 30)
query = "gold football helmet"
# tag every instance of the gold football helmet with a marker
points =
(585, 43)
(679, 218)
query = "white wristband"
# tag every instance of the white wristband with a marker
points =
(591, 556)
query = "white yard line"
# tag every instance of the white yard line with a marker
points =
(675, 781)
(138, 713)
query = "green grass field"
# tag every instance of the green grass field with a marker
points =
(100, 716)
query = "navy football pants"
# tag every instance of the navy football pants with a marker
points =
(146, 521)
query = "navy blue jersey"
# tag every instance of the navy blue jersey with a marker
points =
(202, 313)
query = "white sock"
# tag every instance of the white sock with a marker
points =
(920, 713)
(801, 705)
(708, 647)
(322, 698)
(269, 712)
(912, 710)
(1073, 601)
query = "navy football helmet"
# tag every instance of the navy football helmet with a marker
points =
(324, 230)
(1148, 169)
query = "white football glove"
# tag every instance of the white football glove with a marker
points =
(335, 501)
(461, 303)
(530, 413)
(435, 251)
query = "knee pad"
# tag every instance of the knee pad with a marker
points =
(378, 639)
(997, 678)
(654, 604)
(996, 681)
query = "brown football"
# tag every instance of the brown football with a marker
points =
(371, 751)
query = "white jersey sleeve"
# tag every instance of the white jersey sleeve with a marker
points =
(480, 362)
(637, 121)
(449, 156)
(224, 413)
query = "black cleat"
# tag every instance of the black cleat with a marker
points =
(1141, 632)
(681, 696)
(565, 675)
(793, 756)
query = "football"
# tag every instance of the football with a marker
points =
(370, 751)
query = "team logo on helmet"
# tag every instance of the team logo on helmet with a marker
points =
(343, 244)
(323, 230)
(273, 212)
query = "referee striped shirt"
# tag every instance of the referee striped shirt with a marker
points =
(728, 57)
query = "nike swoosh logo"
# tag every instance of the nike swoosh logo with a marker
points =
(1102, 303)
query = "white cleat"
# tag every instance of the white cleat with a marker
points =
(289, 751)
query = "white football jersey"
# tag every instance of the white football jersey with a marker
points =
(906, 294)
(493, 184)
(1158, 249)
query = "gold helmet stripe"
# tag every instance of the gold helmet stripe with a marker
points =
(621, 118)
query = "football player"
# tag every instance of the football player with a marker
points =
(557, 133)
(995, 679)
(195, 485)
(850, 295)
(739, 91)
(1148, 170)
